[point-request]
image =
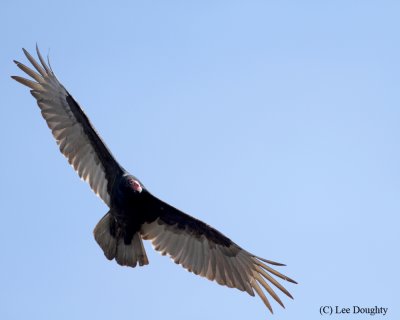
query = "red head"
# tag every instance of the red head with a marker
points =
(135, 185)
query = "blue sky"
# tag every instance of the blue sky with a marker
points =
(275, 122)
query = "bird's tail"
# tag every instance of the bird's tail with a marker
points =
(111, 239)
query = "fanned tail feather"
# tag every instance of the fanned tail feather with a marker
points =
(111, 240)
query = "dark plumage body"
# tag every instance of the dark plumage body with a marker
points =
(134, 213)
(132, 209)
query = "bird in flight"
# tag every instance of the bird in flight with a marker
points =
(134, 213)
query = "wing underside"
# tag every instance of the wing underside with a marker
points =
(201, 249)
(76, 137)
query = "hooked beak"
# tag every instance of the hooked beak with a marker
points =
(137, 187)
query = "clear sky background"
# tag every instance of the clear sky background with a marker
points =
(277, 122)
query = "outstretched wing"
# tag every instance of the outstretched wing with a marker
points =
(75, 135)
(205, 251)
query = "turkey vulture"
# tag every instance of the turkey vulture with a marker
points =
(134, 213)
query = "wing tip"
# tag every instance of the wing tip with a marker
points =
(261, 294)
(26, 52)
(271, 262)
(291, 280)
